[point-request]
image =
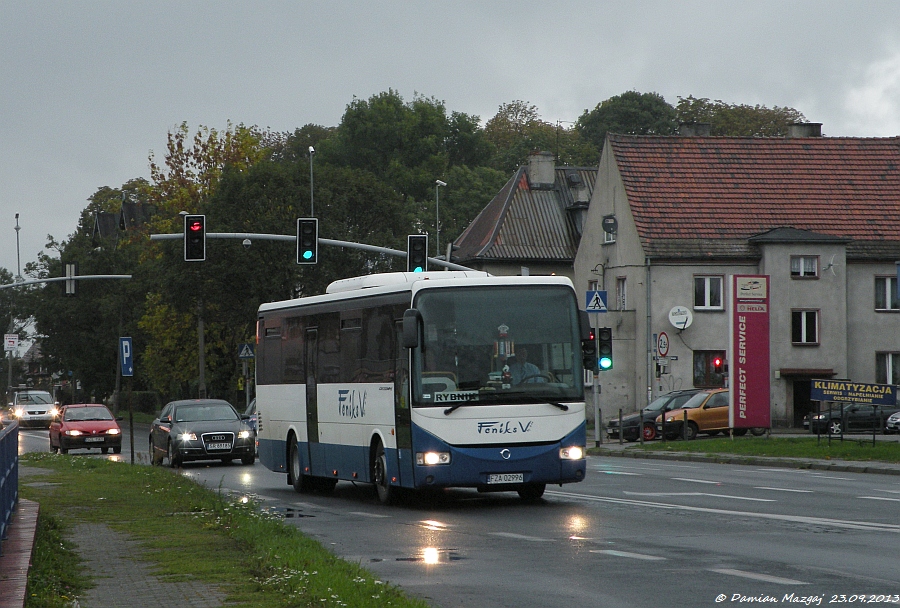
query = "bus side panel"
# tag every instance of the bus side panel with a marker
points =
(281, 410)
(350, 415)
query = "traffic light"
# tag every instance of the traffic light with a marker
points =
(417, 253)
(307, 240)
(605, 348)
(194, 238)
(589, 352)
(718, 365)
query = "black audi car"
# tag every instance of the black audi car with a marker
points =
(201, 429)
(646, 418)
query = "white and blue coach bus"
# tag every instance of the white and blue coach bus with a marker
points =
(420, 380)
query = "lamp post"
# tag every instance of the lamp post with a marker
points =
(437, 216)
(18, 258)
(312, 209)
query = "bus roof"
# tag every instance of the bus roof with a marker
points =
(395, 282)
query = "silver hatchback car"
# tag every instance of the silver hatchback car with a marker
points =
(33, 408)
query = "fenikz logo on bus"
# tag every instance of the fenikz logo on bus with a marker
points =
(351, 403)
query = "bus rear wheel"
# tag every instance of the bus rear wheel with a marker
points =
(386, 493)
(302, 483)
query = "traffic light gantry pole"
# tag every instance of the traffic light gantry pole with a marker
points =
(293, 239)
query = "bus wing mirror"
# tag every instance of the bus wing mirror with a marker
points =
(411, 321)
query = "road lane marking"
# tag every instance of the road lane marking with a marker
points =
(879, 498)
(617, 473)
(615, 553)
(365, 514)
(782, 489)
(696, 480)
(698, 494)
(758, 577)
(802, 519)
(534, 539)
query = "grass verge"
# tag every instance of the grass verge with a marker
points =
(857, 448)
(189, 533)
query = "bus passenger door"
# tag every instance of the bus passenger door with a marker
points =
(315, 458)
(402, 408)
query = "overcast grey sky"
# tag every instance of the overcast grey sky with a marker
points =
(88, 89)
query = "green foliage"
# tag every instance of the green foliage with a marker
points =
(737, 120)
(630, 113)
(54, 577)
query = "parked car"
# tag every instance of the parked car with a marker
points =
(706, 412)
(33, 408)
(854, 418)
(646, 418)
(201, 429)
(892, 424)
(85, 426)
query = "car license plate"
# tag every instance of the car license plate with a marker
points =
(506, 478)
(219, 446)
(93, 440)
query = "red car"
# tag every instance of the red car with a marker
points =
(85, 426)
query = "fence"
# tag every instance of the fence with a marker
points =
(9, 476)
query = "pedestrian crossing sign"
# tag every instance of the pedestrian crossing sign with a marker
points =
(245, 351)
(596, 302)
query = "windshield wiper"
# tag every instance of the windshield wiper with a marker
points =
(455, 407)
(561, 406)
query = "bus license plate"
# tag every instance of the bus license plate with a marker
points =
(506, 478)
(219, 446)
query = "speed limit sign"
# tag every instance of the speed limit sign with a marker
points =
(662, 344)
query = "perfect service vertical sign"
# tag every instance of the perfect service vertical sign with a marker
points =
(748, 359)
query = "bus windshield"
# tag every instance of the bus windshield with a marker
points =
(485, 345)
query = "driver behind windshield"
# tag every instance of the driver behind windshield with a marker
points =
(521, 370)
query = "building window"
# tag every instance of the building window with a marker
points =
(620, 293)
(886, 294)
(805, 326)
(705, 375)
(887, 368)
(708, 293)
(804, 266)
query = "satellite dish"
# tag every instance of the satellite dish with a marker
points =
(680, 317)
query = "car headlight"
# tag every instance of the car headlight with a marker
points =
(19, 412)
(244, 435)
(575, 452)
(54, 411)
(113, 431)
(187, 436)
(430, 458)
(74, 433)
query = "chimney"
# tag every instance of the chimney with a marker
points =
(694, 129)
(541, 170)
(805, 129)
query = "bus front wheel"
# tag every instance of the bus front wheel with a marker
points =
(531, 491)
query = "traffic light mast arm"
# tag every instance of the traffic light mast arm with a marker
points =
(293, 239)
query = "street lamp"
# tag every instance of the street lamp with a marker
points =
(437, 216)
(312, 212)
(18, 258)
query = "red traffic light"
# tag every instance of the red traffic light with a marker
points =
(195, 225)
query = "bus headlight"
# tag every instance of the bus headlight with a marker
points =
(430, 458)
(575, 452)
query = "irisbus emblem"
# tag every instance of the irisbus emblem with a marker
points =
(498, 427)
(505, 454)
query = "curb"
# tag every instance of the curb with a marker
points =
(843, 466)
(16, 556)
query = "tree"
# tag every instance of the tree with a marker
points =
(738, 120)
(630, 113)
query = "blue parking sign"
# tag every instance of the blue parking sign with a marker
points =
(126, 356)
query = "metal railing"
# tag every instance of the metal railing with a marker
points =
(9, 477)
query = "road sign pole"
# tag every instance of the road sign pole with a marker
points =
(595, 389)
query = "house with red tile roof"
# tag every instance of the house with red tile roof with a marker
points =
(819, 216)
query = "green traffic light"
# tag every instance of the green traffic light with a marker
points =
(307, 255)
(418, 269)
(605, 363)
